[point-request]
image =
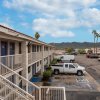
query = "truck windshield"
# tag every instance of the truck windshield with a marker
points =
(75, 64)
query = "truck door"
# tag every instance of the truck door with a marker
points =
(72, 68)
(66, 68)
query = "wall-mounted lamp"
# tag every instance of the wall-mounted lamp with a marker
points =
(29, 43)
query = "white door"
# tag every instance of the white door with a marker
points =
(72, 68)
(66, 68)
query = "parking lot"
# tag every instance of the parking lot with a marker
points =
(85, 87)
(76, 83)
(92, 66)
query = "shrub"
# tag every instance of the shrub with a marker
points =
(69, 50)
(49, 68)
(55, 61)
(47, 74)
(82, 51)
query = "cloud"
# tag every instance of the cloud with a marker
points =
(92, 15)
(55, 7)
(24, 24)
(56, 17)
(53, 27)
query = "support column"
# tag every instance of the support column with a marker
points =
(25, 62)
(0, 56)
(48, 56)
(9, 58)
(16, 60)
(16, 47)
(30, 48)
(8, 43)
(48, 60)
(42, 68)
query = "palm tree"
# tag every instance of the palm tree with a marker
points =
(96, 36)
(94, 33)
(37, 35)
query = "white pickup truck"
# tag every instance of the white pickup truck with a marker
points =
(68, 68)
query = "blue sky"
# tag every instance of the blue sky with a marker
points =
(55, 20)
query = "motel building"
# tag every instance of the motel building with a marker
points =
(22, 57)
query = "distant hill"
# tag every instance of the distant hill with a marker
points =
(74, 45)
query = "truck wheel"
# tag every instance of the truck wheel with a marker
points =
(79, 73)
(56, 72)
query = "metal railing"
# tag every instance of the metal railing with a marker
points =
(53, 93)
(34, 56)
(9, 91)
(21, 82)
(46, 54)
(22, 87)
(12, 61)
(38, 93)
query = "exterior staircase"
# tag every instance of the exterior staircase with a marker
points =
(29, 91)
(9, 91)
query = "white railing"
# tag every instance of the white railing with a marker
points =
(50, 52)
(46, 54)
(39, 93)
(29, 89)
(9, 91)
(34, 56)
(26, 85)
(53, 93)
(12, 61)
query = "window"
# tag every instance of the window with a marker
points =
(62, 57)
(58, 65)
(20, 51)
(12, 48)
(4, 48)
(37, 48)
(40, 62)
(71, 66)
(29, 48)
(20, 73)
(46, 48)
(33, 48)
(66, 65)
(37, 64)
(29, 69)
(40, 48)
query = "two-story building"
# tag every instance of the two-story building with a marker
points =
(24, 54)
(21, 57)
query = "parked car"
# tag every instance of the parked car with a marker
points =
(67, 58)
(88, 55)
(92, 55)
(68, 68)
(74, 53)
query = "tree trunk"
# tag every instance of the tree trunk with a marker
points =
(94, 43)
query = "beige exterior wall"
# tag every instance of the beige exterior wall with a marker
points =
(24, 60)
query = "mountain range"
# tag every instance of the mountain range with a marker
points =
(75, 45)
